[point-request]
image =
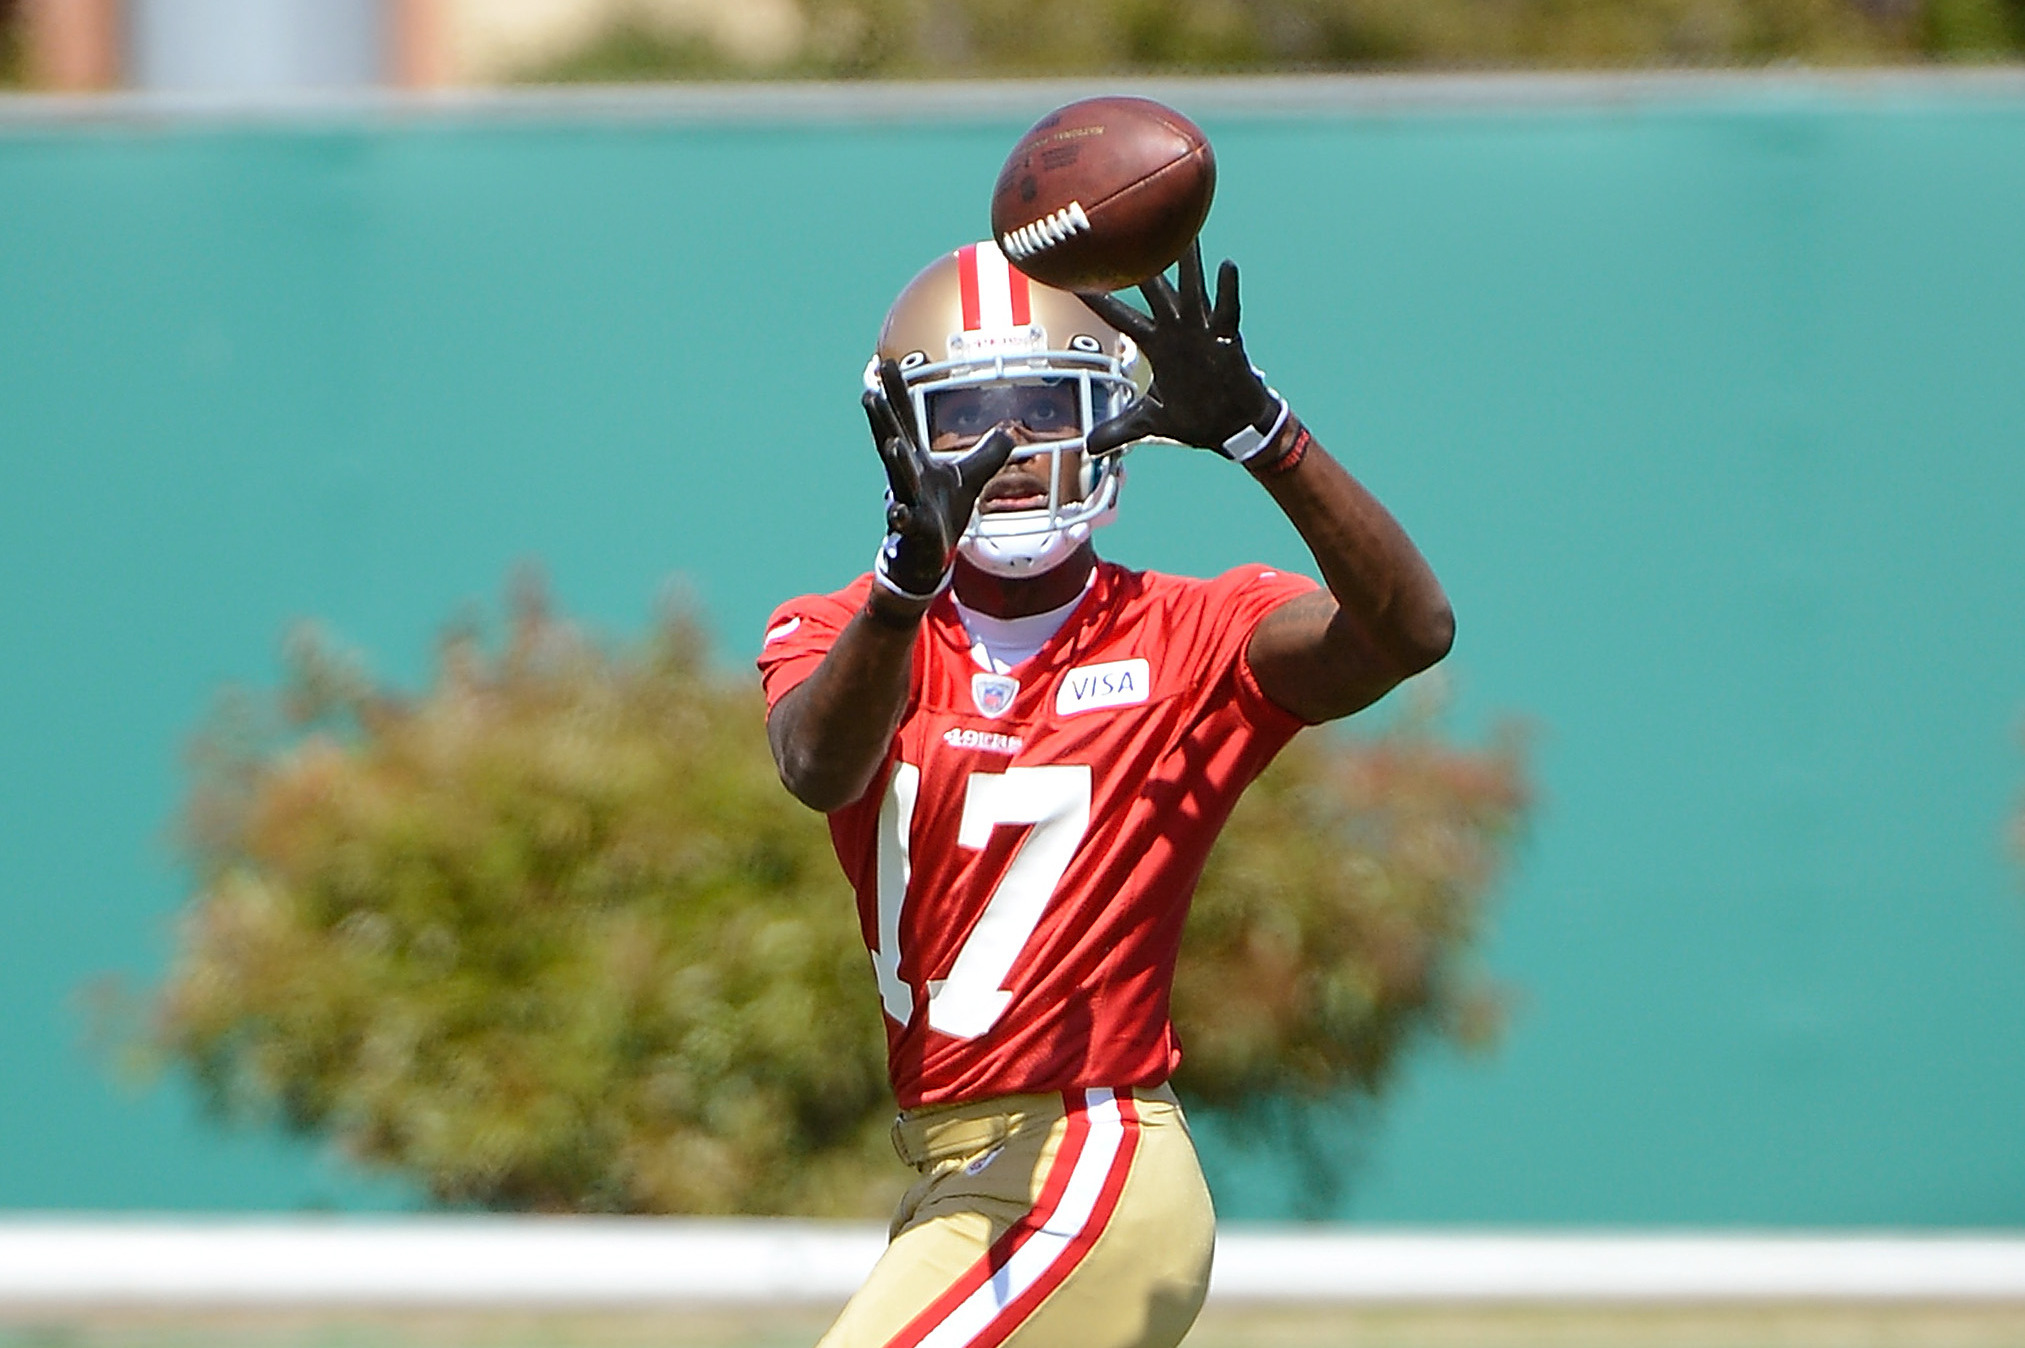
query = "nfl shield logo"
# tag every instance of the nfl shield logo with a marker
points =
(993, 693)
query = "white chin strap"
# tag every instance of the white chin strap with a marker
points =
(1027, 553)
(1020, 543)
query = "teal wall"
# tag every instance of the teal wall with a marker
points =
(1706, 401)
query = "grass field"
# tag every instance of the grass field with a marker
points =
(1798, 1326)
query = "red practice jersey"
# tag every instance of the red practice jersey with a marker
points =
(1024, 860)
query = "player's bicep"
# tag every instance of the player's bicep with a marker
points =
(1314, 661)
(782, 718)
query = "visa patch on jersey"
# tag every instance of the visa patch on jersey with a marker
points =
(1116, 683)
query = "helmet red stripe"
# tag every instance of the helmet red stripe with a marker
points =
(966, 279)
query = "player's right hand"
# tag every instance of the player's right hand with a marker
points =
(930, 498)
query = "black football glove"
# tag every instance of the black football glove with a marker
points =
(929, 500)
(1205, 392)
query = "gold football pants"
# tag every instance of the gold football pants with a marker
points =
(1041, 1221)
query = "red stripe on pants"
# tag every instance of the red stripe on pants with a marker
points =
(1016, 1235)
(1027, 1302)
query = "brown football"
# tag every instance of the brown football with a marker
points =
(1103, 193)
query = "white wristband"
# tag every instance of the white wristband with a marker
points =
(1250, 440)
(887, 582)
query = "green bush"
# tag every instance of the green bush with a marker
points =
(13, 62)
(978, 38)
(1337, 918)
(551, 935)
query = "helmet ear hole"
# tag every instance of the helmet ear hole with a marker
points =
(913, 360)
(1084, 342)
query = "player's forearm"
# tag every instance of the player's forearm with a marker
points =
(1388, 603)
(831, 733)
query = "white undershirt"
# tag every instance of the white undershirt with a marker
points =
(997, 644)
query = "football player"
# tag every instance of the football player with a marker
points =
(1025, 753)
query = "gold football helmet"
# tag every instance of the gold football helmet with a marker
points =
(978, 341)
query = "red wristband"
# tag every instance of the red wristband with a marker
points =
(1290, 460)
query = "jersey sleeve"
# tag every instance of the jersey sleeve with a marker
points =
(800, 633)
(1236, 602)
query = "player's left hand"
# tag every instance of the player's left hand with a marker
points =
(1205, 391)
(930, 497)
